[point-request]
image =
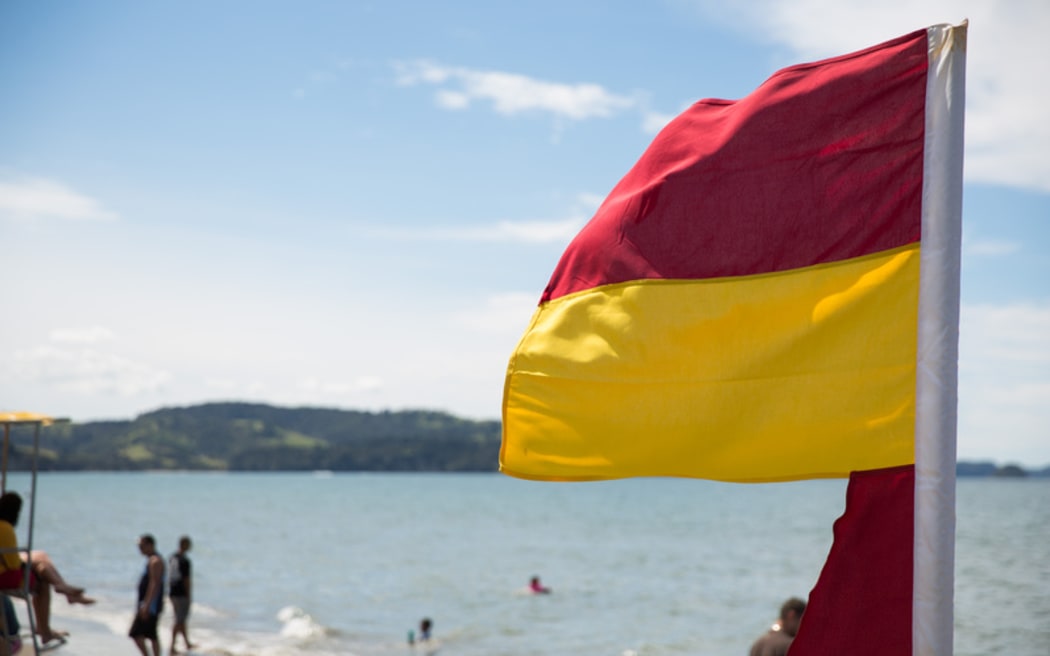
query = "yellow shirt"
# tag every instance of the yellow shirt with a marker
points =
(8, 540)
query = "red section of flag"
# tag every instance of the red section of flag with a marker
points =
(862, 603)
(821, 163)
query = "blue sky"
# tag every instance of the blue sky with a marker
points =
(357, 205)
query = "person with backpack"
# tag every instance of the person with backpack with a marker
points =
(180, 587)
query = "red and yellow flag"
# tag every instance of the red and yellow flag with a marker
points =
(770, 294)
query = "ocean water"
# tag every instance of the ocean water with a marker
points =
(347, 564)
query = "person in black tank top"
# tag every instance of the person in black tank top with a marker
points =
(150, 598)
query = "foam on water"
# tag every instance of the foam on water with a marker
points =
(101, 628)
(296, 623)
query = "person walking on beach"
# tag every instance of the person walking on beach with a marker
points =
(43, 574)
(180, 587)
(150, 599)
(778, 638)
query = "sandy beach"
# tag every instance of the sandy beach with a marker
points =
(86, 637)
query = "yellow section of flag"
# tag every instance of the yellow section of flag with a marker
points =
(792, 375)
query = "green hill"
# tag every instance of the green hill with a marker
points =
(256, 437)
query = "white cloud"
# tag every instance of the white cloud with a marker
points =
(653, 122)
(89, 335)
(33, 198)
(1007, 132)
(502, 314)
(589, 203)
(86, 371)
(1004, 382)
(535, 232)
(998, 337)
(539, 231)
(583, 206)
(420, 71)
(341, 388)
(221, 384)
(452, 99)
(991, 247)
(527, 231)
(511, 93)
(368, 383)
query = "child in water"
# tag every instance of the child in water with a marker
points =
(424, 631)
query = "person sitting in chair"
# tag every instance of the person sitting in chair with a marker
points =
(43, 575)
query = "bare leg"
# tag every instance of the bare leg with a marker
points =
(46, 571)
(180, 629)
(42, 609)
(140, 642)
(156, 647)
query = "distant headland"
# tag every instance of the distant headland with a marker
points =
(260, 437)
(983, 468)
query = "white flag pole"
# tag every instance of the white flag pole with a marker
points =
(938, 344)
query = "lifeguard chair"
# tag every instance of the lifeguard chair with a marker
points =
(36, 421)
